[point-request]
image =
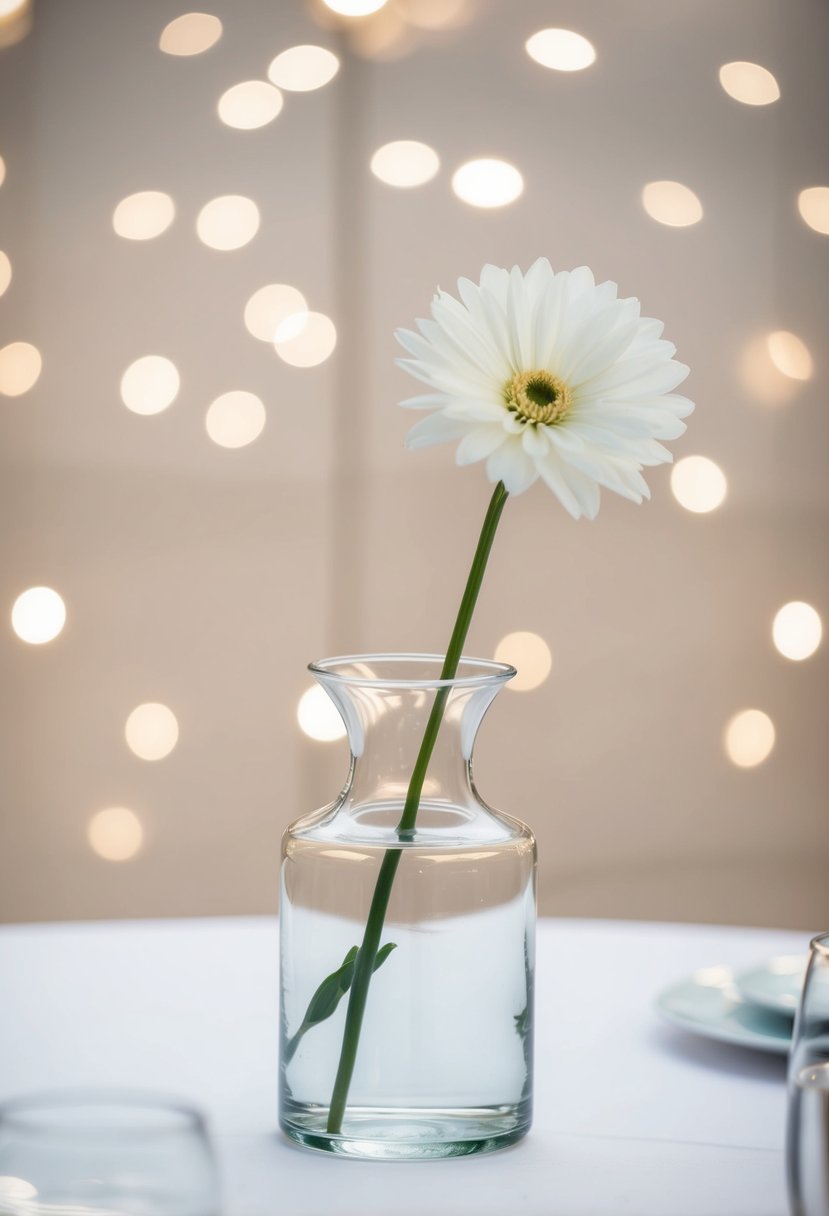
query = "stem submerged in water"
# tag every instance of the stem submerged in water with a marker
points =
(364, 967)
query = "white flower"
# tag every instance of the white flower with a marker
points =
(547, 375)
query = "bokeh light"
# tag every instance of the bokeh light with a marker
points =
(235, 419)
(385, 37)
(251, 104)
(813, 205)
(228, 222)
(115, 833)
(487, 183)
(142, 216)
(749, 738)
(561, 50)
(190, 34)
(790, 355)
(354, 8)
(530, 655)
(318, 716)
(2, 170)
(749, 83)
(405, 163)
(305, 339)
(268, 307)
(301, 69)
(15, 21)
(150, 384)
(761, 378)
(151, 731)
(797, 630)
(20, 365)
(698, 484)
(38, 615)
(434, 14)
(671, 203)
(5, 272)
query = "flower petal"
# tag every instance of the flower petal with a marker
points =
(534, 441)
(649, 452)
(426, 401)
(577, 494)
(511, 464)
(594, 351)
(616, 472)
(487, 316)
(471, 410)
(679, 406)
(495, 280)
(537, 280)
(457, 323)
(519, 324)
(635, 377)
(629, 421)
(436, 428)
(578, 436)
(479, 443)
(435, 353)
(440, 379)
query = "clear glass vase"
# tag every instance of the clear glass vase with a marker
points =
(807, 1132)
(444, 1058)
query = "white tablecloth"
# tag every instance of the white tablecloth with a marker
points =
(632, 1115)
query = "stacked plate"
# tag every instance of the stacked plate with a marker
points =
(753, 1008)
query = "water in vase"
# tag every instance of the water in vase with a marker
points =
(445, 1050)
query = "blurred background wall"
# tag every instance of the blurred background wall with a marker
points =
(200, 578)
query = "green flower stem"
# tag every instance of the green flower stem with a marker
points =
(364, 967)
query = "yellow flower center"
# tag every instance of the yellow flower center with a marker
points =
(537, 397)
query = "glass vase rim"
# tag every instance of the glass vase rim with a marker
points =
(489, 672)
(820, 944)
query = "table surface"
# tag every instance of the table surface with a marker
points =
(632, 1115)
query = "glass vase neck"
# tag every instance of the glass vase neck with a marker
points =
(385, 701)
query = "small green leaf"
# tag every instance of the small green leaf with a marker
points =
(331, 991)
(383, 953)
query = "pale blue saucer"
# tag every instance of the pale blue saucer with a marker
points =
(775, 984)
(709, 1003)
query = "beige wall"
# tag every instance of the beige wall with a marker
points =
(205, 578)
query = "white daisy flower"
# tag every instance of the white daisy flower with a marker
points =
(547, 375)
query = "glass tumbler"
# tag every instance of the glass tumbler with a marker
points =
(98, 1152)
(807, 1137)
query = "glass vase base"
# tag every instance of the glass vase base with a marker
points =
(415, 1134)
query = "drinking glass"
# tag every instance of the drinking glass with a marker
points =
(807, 1138)
(100, 1153)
